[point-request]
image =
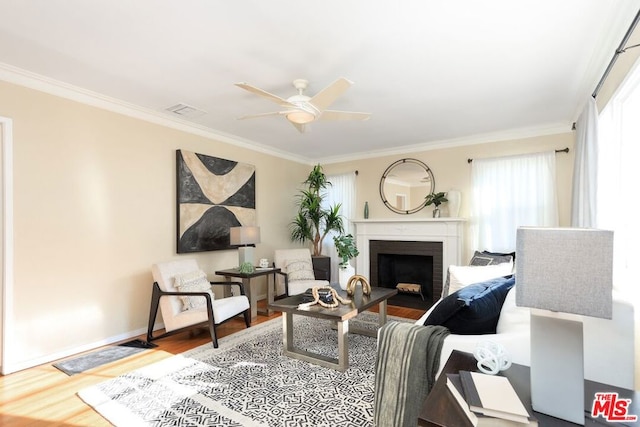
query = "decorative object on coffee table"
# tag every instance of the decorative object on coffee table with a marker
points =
(354, 280)
(337, 299)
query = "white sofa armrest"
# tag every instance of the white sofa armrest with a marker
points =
(609, 346)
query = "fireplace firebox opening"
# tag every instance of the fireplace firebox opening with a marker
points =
(411, 264)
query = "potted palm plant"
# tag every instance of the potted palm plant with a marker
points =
(314, 220)
(436, 199)
(346, 248)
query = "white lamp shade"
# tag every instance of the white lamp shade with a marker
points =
(245, 235)
(567, 270)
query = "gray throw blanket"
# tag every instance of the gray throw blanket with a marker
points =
(406, 366)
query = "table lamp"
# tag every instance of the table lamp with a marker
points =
(563, 274)
(244, 236)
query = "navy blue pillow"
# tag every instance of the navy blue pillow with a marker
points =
(474, 309)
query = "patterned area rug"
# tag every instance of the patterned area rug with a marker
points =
(248, 382)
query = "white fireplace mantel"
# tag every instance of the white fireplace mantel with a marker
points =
(449, 231)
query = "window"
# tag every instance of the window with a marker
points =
(619, 151)
(343, 191)
(509, 192)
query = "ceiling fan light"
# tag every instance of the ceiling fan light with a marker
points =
(300, 117)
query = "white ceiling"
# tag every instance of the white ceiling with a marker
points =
(431, 72)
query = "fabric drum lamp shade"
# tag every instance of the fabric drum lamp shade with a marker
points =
(243, 236)
(567, 271)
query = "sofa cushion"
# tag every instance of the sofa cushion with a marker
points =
(474, 309)
(195, 281)
(461, 276)
(491, 258)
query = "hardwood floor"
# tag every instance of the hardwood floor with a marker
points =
(45, 396)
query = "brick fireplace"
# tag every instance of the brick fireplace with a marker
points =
(416, 251)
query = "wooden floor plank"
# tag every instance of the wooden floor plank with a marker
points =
(45, 396)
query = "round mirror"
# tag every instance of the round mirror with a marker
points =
(405, 184)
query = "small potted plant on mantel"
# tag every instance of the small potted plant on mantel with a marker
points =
(436, 199)
(346, 248)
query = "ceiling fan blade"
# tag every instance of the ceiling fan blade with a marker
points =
(271, 97)
(329, 94)
(253, 116)
(343, 115)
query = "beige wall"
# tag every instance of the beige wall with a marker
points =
(94, 207)
(452, 171)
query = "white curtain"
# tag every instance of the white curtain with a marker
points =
(585, 169)
(619, 142)
(509, 192)
(343, 191)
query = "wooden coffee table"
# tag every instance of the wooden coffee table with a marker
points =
(341, 315)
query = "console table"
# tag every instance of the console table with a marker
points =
(251, 293)
(440, 409)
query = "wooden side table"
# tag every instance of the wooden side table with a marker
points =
(440, 409)
(252, 294)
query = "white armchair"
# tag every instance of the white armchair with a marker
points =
(184, 297)
(297, 273)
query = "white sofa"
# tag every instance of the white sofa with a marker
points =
(609, 349)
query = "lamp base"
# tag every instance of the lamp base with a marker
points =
(246, 254)
(557, 367)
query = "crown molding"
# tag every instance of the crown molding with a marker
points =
(485, 138)
(54, 87)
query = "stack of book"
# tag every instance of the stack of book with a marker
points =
(489, 400)
(324, 294)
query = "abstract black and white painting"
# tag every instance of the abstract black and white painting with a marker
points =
(213, 195)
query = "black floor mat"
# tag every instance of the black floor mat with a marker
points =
(137, 343)
(102, 356)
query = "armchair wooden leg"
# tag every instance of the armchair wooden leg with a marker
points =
(247, 317)
(153, 311)
(212, 331)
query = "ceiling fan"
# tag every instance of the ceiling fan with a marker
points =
(301, 109)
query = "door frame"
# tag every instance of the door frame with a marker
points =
(6, 216)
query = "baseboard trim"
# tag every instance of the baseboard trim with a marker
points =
(19, 366)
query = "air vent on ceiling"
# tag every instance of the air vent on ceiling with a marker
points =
(184, 110)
